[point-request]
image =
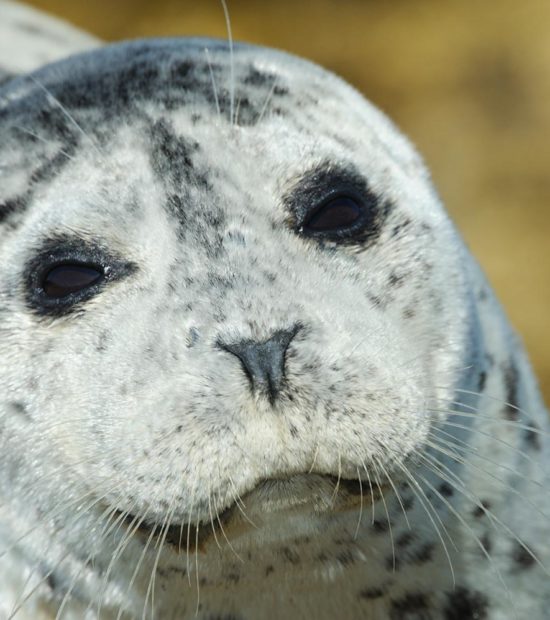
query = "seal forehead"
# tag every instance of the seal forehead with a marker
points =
(181, 73)
(168, 90)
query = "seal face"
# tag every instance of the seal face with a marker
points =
(246, 351)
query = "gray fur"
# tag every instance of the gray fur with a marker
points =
(134, 444)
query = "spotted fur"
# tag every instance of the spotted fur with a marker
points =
(398, 469)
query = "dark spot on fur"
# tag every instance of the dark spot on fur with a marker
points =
(372, 593)
(399, 228)
(346, 558)
(479, 511)
(290, 555)
(405, 539)
(396, 280)
(52, 582)
(255, 77)
(380, 526)
(165, 573)
(280, 91)
(352, 487)
(409, 313)
(531, 436)
(482, 380)
(414, 606)
(375, 300)
(522, 557)
(19, 409)
(103, 341)
(173, 157)
(511, 383)
(486, 543)
(424, 553)
(446, 489)
(408, 502)
(10, 207)
(268, 570)
(465, 604)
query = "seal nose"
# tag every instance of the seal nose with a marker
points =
(263, 362)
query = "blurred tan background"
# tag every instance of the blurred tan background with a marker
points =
(467, 80)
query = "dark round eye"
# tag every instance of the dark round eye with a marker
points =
(63, 280)
(335, 215)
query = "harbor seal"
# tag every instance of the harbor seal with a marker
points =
(249, 368)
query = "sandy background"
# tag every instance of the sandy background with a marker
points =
(468, 80)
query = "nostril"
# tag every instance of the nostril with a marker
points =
(263, 362)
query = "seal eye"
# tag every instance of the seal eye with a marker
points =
(63, 280)
(334, 216)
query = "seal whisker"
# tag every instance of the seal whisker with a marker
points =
(460, 459)
(371, 491)
(212, 517)
(383, 499)
(53, 99)
(237, 110)
(188, 543)
(107, 528)
(356, 533)
(452, 444)
(241, 507)
(490, 397)
(339, 478)
(137, 567)
(57, 510)
(118, 552)
(212, 79)
(197, 580)
(231, 62)
(314, 459)
(452, 478)
(267, 101)
(41, 139)
(24, 596)
(420, 494)
(468, 528)
(498, 440)
(160, 544)
(477, 415)
(397, 494)
(227, 539)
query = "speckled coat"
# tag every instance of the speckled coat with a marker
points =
(285, 389)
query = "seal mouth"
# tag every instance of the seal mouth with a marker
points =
(188, 537)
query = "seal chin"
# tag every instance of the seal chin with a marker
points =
(270, 499)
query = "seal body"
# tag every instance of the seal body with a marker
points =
(249, 368)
